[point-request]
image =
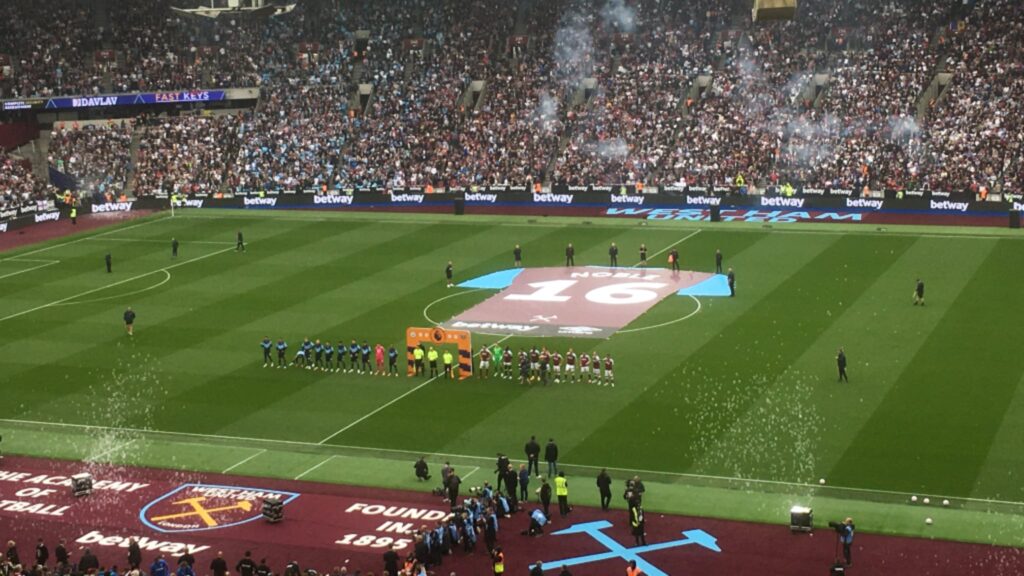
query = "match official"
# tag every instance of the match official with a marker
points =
(174, 247)
(109, 262)
(613, 255)
(240, 243)
(449, 271)
(517, 256)
(643, 255)
(570, 255)
(129, 321)
(448, 360)
(718, 261)
(432, 359)
(841, 364)
(919, 293)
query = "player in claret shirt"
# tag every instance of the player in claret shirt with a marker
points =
(585, 367)
(534, 363)
(556, 367)
(485, 362)
(506, 363)
(570, 365)
(595, 365)
(609, 376)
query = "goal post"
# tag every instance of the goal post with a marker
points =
(437, 336)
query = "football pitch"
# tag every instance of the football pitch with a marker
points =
(728, 407)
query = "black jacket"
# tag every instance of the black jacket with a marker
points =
(532, 449)
(551, 452)
(604, 482)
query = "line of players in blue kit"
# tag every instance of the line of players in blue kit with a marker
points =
(317, 355)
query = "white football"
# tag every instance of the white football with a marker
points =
(928, 521)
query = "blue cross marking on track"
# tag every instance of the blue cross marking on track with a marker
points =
(616, 550)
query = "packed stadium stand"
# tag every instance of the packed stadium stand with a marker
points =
(353, 93)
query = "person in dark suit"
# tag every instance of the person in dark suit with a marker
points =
(732, 283)
(551, 457)
(134, 553)
(422, 469)
(453, 487)
(604, 486)
(545, 496)
(570, 255)
(613, 255)
(841, 364)
(532, 450)
(42, 553)
(391, 559)
(718, 261)
(109, 262)
(501, 469)
(919, 293)
(517, 256)
(174, 247)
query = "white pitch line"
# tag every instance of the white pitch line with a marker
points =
(672, 245)
(297, 443)
(154, 241)
(109, 451)
(243, 461)
(77, 240)
(475, 468)
(385, 405)
(111, 285)
(51, 263)
(315, 467)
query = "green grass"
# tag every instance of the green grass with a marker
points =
(734, 412)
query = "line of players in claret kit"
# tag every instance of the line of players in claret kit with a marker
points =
(541, 365)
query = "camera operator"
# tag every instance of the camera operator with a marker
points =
(844, 531)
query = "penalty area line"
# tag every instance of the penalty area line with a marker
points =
(113, 284)
(389, 403)
(36, 267)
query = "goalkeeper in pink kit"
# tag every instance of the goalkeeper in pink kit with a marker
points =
(379, 357)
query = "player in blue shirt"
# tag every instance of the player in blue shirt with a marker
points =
(328, 355)
(365, 350)
(266, 345)
(300, 355)
(282, 348)
(341, 356)
(353, 356)
(393, 361)
(307, 347)
(318, 351)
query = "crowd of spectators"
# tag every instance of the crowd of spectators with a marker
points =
(974, 137)
(186, 154)
(18, 186)
(761, 115)
(294, 140)
(98, 157)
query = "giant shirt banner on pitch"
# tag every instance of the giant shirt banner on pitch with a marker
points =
(590, 302)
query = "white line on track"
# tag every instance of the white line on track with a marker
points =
(385, 405)
(111, 285)
(412, 454)
(37, 267)
(243, 461)
(329, 458)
